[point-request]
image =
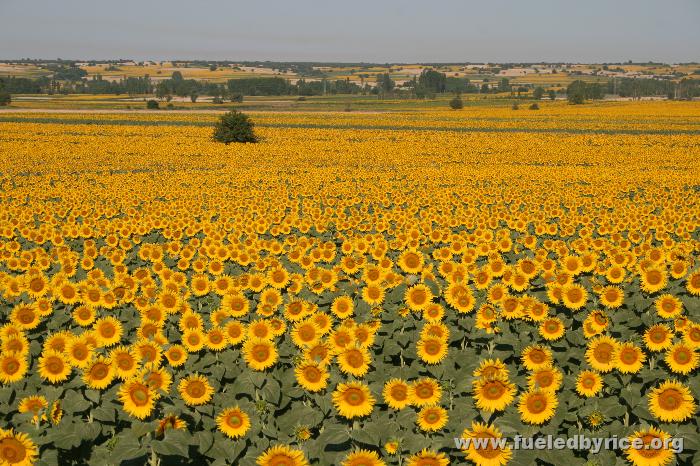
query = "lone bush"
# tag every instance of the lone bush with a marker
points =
(234, 126)
(152, 105)
(5, 99)
(456, 103)
(534, 106)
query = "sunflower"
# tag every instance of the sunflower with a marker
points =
(233, 422)
(693, 283)
(460, 296)
(34, 404)
(99, 373)
(424, 392)
(600, 353)
(305, 333)
(432, 418)
(259, 354)
(176, 355)
(200, 285)
(138, 399)
(236, 304)
(552, 329)
(260, 329)
(79, 351)
(671, 402)
(235, 332)
(311, 376)
(411, 261)
(548, 378)
(16, 449)
(668, 306)
(125, 362)
(353, 400)
(108, 331)
(13, 367)
(654, 449)
(195, 390)
(396, 394)
(588, 383)
(158, 379)
(653, 280)
(362, 458)
(53, 366)
(215, 339)
(373, 294)
(418, 297)
(691, 336)
(494, 394)
(486, 453)
(682, 359)
(432, 350)
(319, 353)
(612, 297)
(536, 357)
(574, 296)
(193, 340)
(427, 457)
(170, 421)
(628, 358)
(148, 351)
(342, 307)
(25, 316)
(20, 344)
(537, 406)
(491, 369)
(354, 361)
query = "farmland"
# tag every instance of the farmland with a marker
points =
(360, 287)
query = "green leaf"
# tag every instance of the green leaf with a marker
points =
(175, 443)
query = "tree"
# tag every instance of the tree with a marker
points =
(432, 81)
(538, 92)
(193, 97)
(579, 91)
(552, 94)
(234, 126)
(456, 103)
(5, 98)
(385, 83)
(152, 105)
(534, 106)
(576, 92)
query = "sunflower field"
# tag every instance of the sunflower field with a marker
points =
(355, 290)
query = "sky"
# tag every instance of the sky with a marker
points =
(379, 31)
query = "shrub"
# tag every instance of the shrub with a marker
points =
(534, 106)
(234, 126)
(152, 105)
(456, 103)
(5, 99)
(515, 106)
(217, 100)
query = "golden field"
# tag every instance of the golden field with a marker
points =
(356, 289)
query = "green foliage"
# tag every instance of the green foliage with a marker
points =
(579, 91)
(234, 126)
(5, 99)
(152, 105)
(538, 93)
(534, 106)
(456, 103)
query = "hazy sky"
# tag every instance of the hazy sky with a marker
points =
(354, 30)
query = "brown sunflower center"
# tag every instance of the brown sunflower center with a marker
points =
(12, 450)
(354, 396)
(536, 403)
